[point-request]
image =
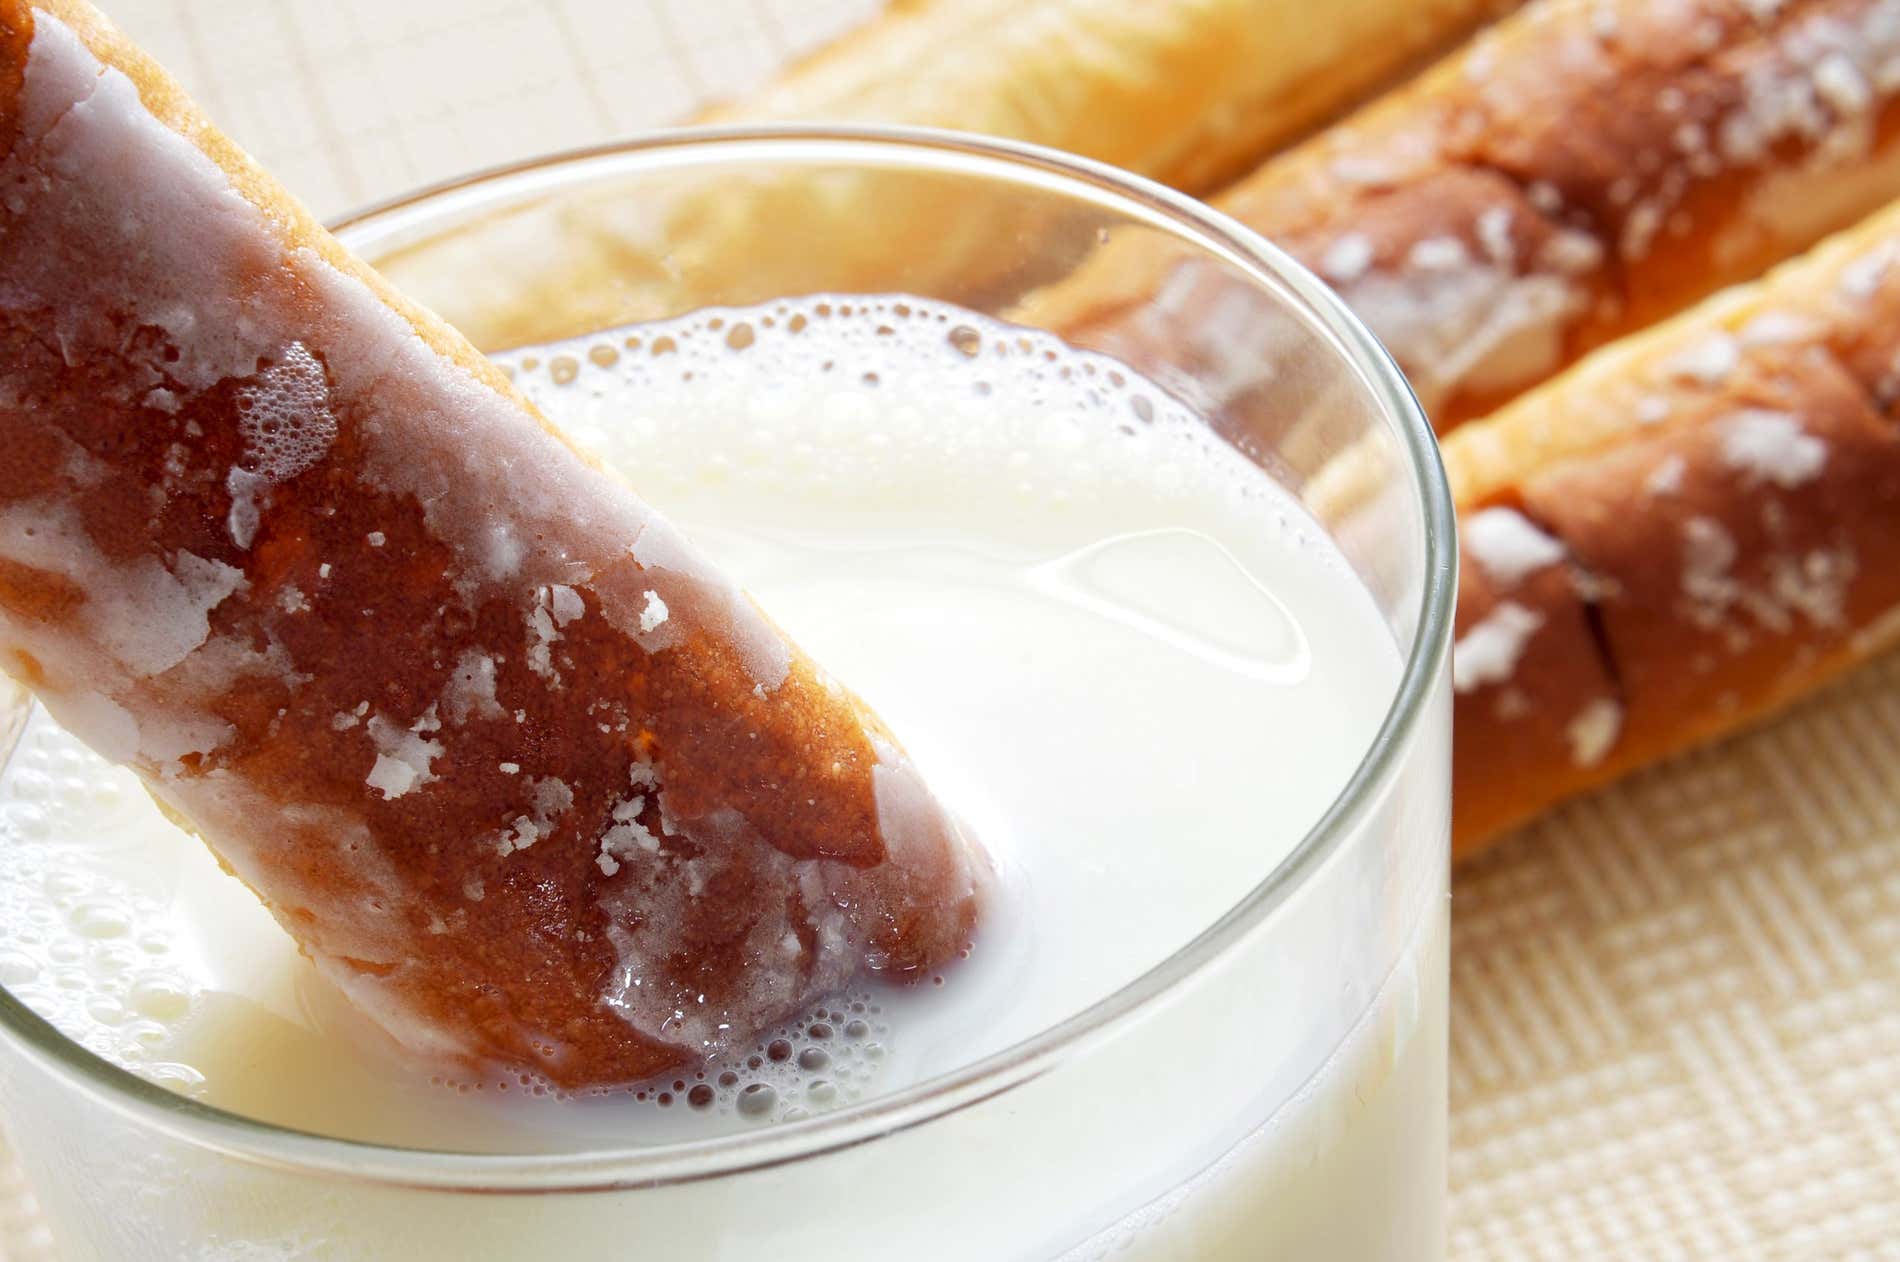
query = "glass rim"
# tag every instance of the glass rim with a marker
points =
(285, 1148)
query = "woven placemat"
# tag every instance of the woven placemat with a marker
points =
(1676, 1005)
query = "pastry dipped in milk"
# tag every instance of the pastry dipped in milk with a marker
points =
(535, 785)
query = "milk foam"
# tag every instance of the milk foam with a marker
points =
(866, 400)
(94, 954)
(1129, 660)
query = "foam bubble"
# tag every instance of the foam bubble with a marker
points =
(843, 392)
(826, 1057)
(84, 939)
(284, 417)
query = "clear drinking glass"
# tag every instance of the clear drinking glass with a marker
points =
(1314, 1122)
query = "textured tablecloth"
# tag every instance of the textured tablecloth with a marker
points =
(1676, 1005)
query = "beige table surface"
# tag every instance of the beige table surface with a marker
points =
(1676, 1025)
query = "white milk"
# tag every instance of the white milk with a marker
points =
(1133, 666)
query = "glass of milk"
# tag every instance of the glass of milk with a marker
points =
(1165, 617)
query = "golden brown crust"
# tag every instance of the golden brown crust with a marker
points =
(1726, 491)
(1580, 170)
(484, 799)
(1190, 92)
(1517, 710)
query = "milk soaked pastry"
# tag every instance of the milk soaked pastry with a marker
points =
(1138, 669)
(410, 663)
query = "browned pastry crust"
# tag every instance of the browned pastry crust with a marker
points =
(1723, 495)
(1580, 170)
(1513, 730)
(1190, 92)
(534, 784)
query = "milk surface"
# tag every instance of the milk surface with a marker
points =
(1131, 663)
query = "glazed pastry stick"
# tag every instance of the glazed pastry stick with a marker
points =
(529, 780)
(1685, 532)
(1580, 170)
